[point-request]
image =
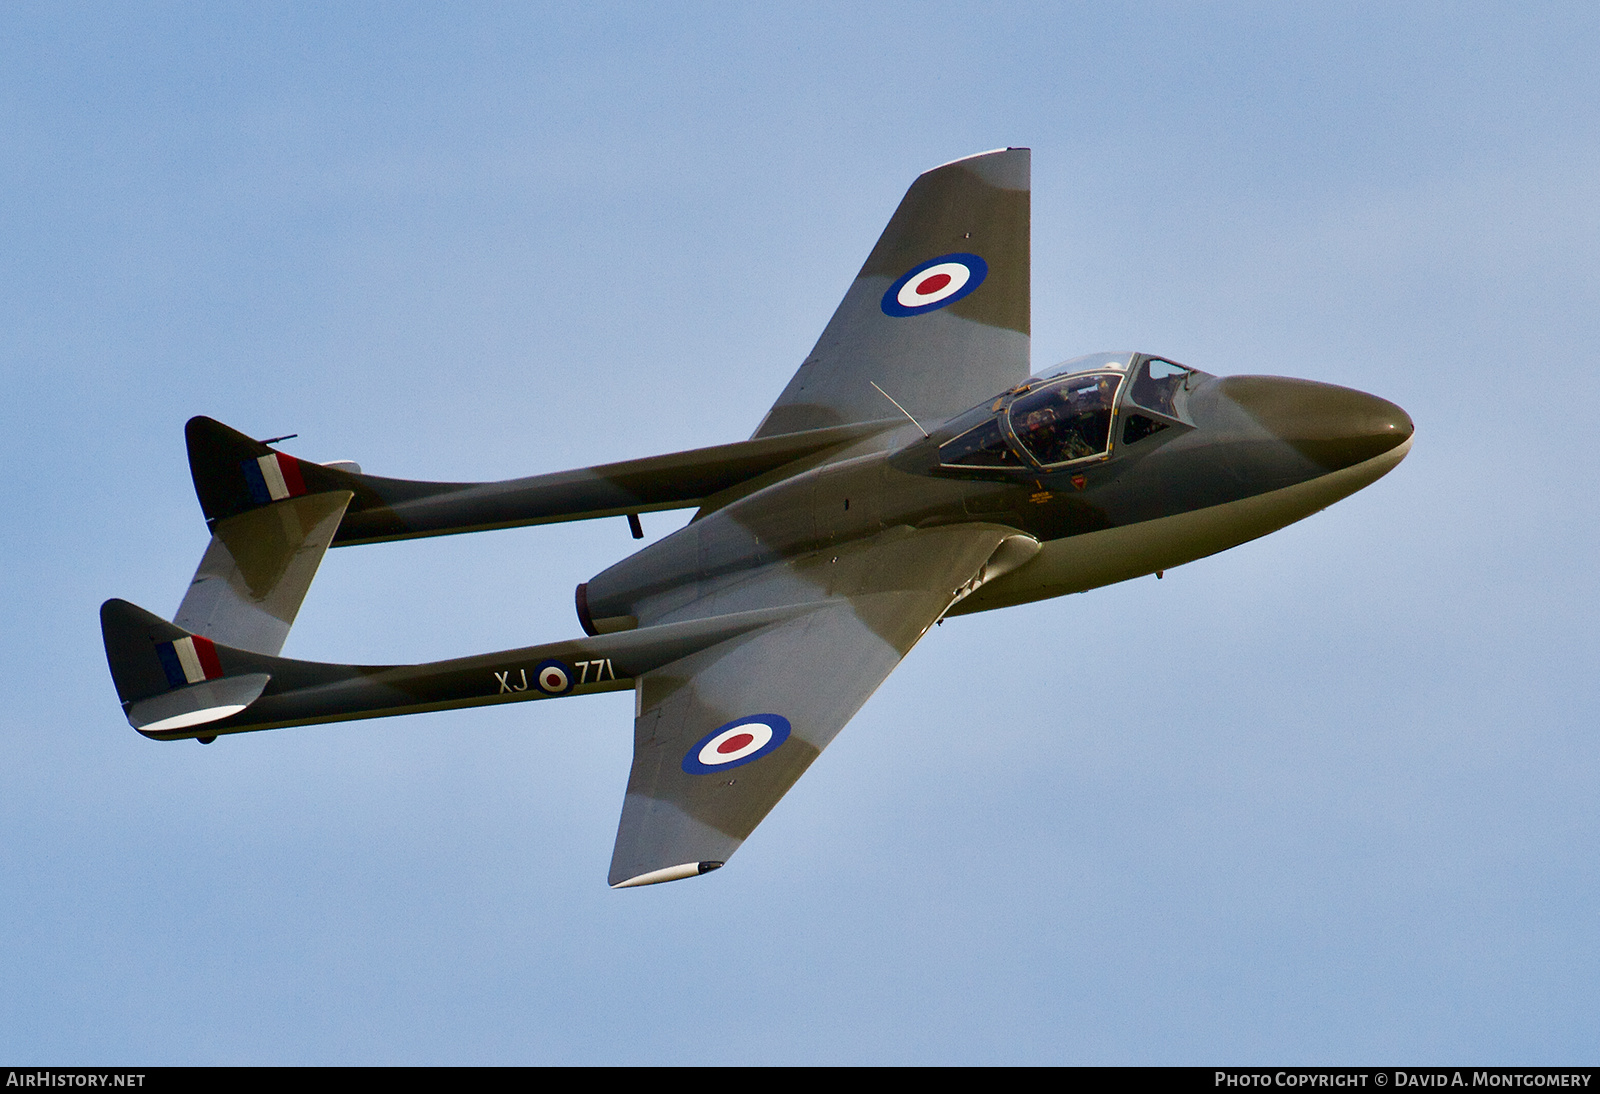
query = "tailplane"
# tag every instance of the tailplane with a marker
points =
(257, 569)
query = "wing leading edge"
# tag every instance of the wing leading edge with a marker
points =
(723, 733)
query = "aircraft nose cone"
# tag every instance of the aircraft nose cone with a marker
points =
(1335, 427)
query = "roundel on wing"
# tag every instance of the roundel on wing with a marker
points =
(553, 678)
(934, 284)
(739, 742)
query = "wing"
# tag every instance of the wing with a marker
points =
(723, 733)
(938, 316)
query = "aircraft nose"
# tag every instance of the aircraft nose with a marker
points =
(1335, 427)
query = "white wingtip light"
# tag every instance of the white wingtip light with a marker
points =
(669, 873)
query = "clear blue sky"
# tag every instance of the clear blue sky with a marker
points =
(1329, 797)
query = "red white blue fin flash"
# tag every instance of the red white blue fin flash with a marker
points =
(273, 477)
(190, 660)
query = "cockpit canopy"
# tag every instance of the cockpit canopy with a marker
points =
(1089, 362)
(1071, 420)
(1066, 414)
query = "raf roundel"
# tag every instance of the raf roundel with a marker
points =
(934, 284)
(553, 678)
(740, 741)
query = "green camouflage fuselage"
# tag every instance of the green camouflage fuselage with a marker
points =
(1244, 457)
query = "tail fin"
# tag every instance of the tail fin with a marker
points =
(272, 518)
(235, 474)
(169, 679)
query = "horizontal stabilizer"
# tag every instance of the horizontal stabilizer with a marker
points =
(235, 474)
(174, 684)
(256, 571)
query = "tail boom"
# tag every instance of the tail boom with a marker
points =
(241, 691)
(235, 474)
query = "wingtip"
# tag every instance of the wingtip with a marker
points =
(1005, 168)
(668, 873)
(974, 156)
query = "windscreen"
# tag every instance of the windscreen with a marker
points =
(1157, 383)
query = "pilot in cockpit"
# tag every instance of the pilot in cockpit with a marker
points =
(1066, 421)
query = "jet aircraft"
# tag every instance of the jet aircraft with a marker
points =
(912, 469)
